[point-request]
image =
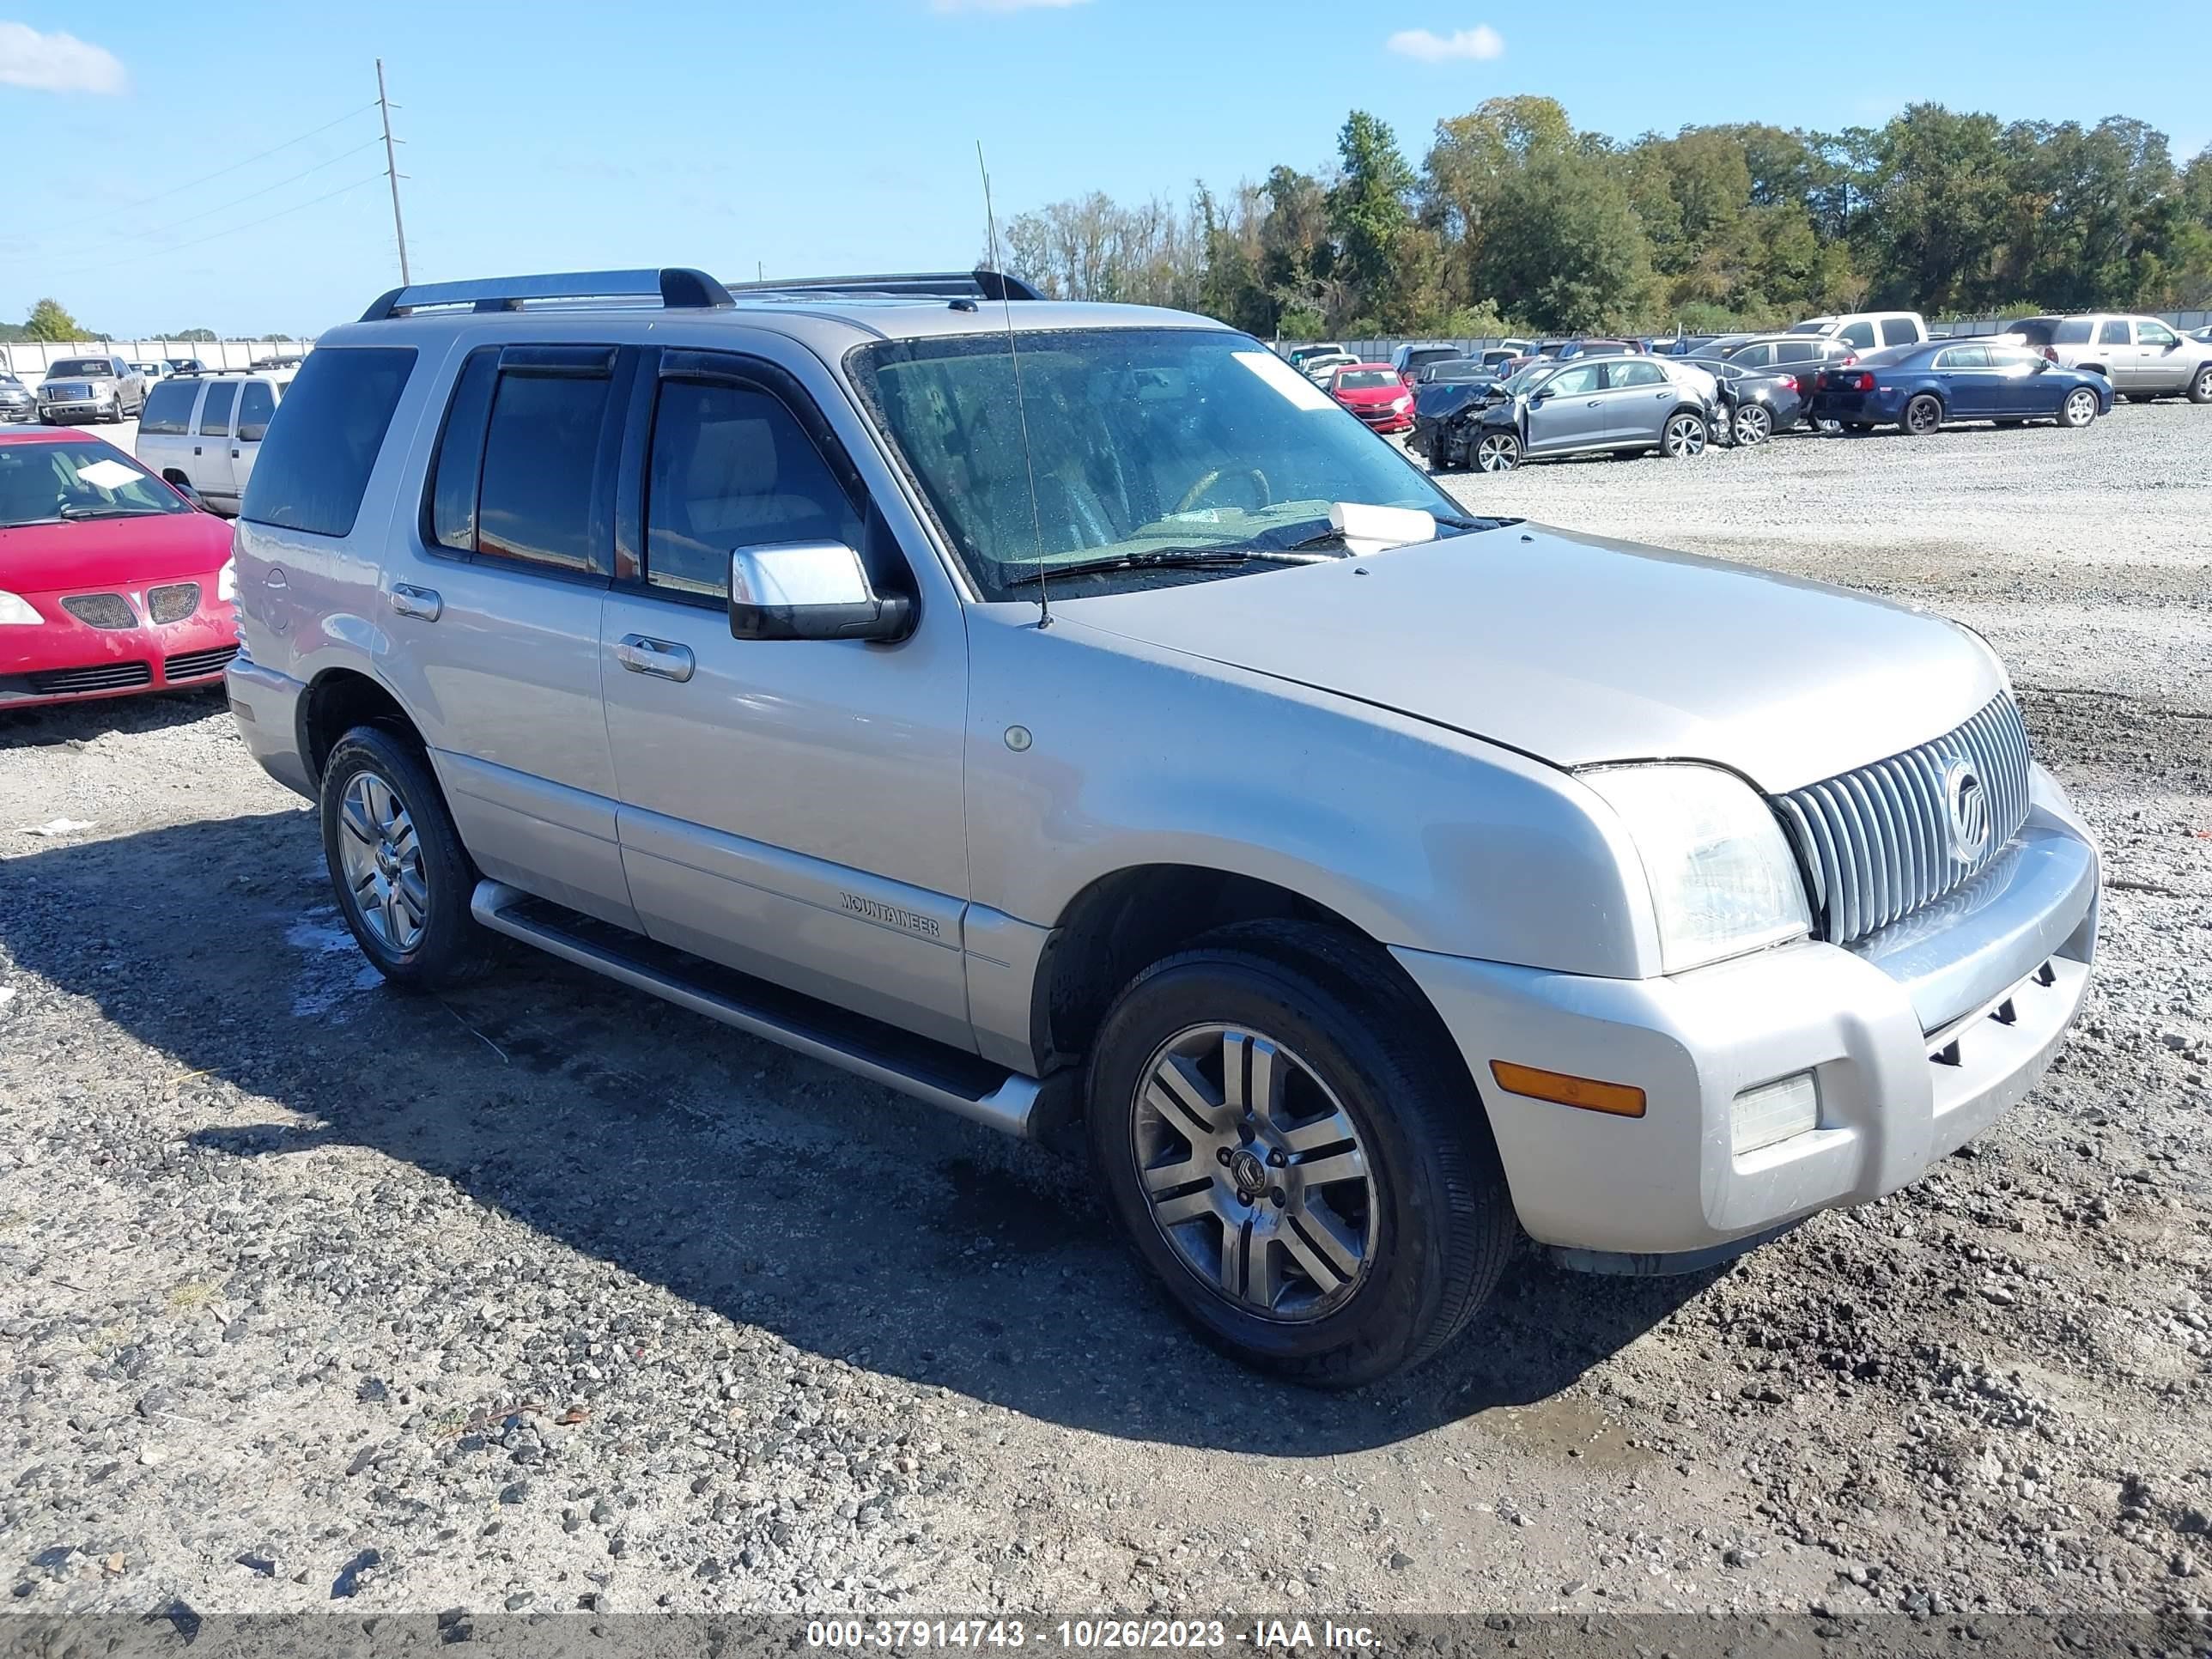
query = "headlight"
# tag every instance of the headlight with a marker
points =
(1722, 876)
(16, 612)
(225, 581)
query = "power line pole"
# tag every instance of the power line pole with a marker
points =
(392, 172)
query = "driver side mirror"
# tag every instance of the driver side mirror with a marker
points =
(190, 494)
(810, 591)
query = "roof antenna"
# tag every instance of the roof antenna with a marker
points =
(1021, 409)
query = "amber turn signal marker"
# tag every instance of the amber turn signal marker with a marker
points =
(1617, 1098)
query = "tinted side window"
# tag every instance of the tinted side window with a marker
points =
(1799, 351)
(1964, 357)
(256, 402)
(2113, 333)
(2153, 334)
(1898, 331)
(2074, 330)
(1859, 334)
(540, 462)
(315, 463)
(732, 468)
(1752, 357)
(1633, 374)
(2035, 331)
(460, 454)
(1573, 382)
(169, 408)
(215, 411)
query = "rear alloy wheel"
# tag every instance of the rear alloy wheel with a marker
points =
(2200, 389)
(1497, 452)
(1291, 1146)
(1752, 425)
(2078, 409)
(1922, 416)
(1684, 437)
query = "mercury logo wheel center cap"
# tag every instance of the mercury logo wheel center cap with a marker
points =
(1966, 803)
(1249, 1174)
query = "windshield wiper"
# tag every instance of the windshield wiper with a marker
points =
(78, 511)
(1159, 558)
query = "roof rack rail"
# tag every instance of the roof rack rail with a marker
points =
(678, 287)
(980, 283)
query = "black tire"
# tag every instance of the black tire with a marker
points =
(2080, 409)
(1858, 426)
(1495, 452)
(2200, 389)
(1443, 1219)
(1685, 436)
(1439, 453)
(1750, 426)
(1923, 416)
(2140, 397)
(453, 948)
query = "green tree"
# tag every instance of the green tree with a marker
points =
(1371, 215)
(1936, 210)
(48, 321)
(1564, 250)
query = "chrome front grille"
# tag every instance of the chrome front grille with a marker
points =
(1879, 842)
(100, 609)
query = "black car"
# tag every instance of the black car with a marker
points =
(1755, 402)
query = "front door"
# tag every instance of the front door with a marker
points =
(790, 808)
(1568, 410)
(209, 467)
(2160, 365)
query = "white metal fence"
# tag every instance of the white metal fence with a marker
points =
(28, 359)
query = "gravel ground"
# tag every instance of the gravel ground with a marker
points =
(548, 1295)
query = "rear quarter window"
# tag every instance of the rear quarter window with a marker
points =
(2074, 330)
(169, 411)
(314, 464)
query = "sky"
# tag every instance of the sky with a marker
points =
(838, 136)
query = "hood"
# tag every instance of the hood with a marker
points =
(43, 558)
(1441, 399)
(1578, 650)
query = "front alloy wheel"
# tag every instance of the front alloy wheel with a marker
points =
(2081, 408)
(2200, 389)
(1685, 436)
(1254, 1173)
(1497, 452)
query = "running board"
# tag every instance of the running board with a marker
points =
(959, 1082)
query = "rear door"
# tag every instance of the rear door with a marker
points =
(1568, 410)
(1963, 372)
(2116, 349)
(494, 620)
(209, 465)
(791, 808)
(165, 429)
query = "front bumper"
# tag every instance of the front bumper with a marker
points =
(1917, 1043)
(66, 660)
(78, 410)
(1388, 420)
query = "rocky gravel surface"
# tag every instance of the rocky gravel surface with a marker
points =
(547, 1296)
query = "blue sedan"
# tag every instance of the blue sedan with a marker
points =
(1917, 388)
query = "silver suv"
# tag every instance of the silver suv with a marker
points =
(1066, 713)
(2142, 357)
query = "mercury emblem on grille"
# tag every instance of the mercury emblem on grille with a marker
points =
(1968, 803)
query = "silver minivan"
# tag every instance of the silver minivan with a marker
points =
(1068, 716)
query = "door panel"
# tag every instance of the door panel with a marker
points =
(1638, 399)
(791, 808)
(1571, 412)
(209, 466)
(2160, 366)
(500, 656)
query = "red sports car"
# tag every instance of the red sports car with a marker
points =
(112, 580)
(1374, 393)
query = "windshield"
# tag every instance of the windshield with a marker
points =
(1365, 379)
(1141, 441)
(79, 367)
(49, 483)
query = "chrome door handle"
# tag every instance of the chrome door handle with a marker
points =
(422, 602)
(662, 659)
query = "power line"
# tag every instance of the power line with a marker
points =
(190, 218)
(194, 184)
(232, 230)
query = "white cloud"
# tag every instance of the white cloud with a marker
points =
(1477, 44)
(56, 63)
(1002, 5)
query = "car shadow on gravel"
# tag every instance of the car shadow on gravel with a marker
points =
(55, 723)
(752, 1181)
